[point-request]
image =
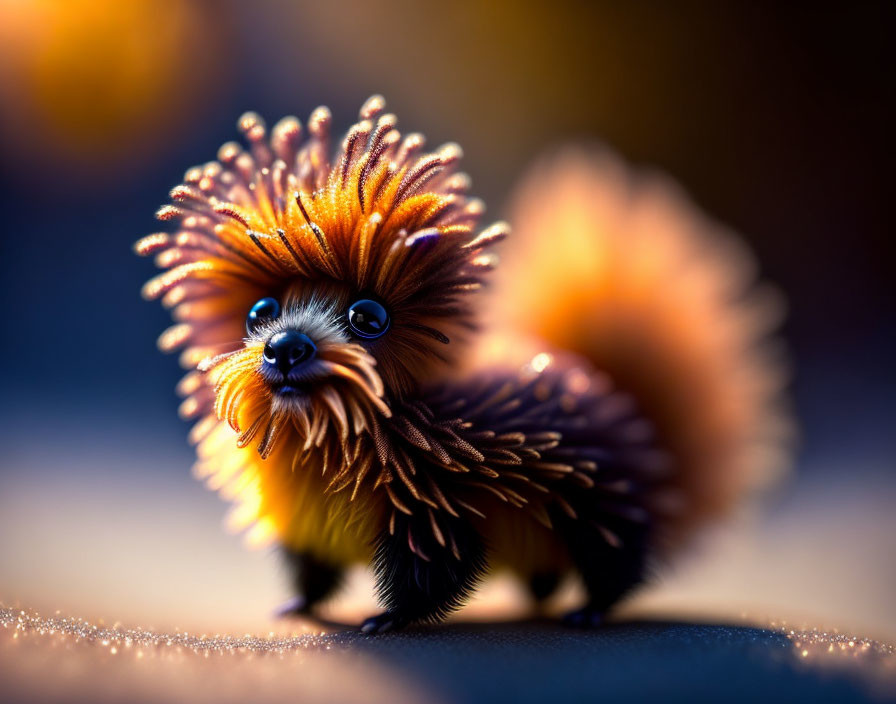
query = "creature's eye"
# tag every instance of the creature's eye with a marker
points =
(367, 319)
(264, 310)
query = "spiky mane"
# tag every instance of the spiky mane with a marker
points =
(381, 216)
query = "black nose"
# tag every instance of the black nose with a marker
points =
(288, 349)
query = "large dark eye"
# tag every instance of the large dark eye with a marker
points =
(367, 319)
(265, 310)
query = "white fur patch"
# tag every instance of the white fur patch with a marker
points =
(317, 318)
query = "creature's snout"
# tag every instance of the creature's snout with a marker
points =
(289, 350)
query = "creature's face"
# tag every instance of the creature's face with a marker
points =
(305, 342)
(302, 337)
(325, 357)
(312, 293)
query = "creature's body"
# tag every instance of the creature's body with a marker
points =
(355, 412)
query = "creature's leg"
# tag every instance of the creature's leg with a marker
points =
(607, 571)
(419, 579)
(542, 585)
(313, 580)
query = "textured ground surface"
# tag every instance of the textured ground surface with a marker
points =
(514, 662)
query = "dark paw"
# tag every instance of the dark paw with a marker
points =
(586, 617)
(297, 606)
(382, 623)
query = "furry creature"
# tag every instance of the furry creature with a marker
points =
(361, 399)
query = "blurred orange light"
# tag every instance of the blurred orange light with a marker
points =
(90, 81)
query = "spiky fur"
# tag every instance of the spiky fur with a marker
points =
(397, 453)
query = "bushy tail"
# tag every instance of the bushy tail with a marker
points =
(622, 269)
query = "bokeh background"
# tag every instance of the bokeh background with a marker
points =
(772, 117)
